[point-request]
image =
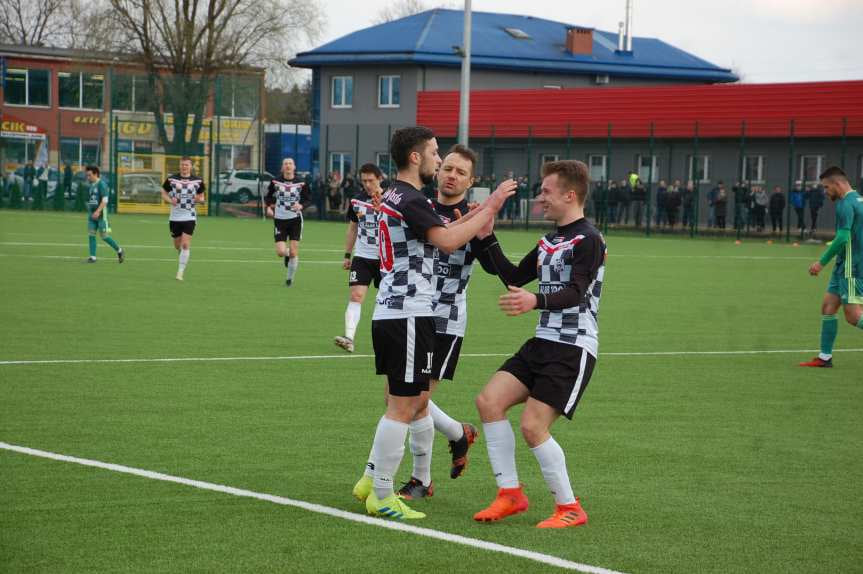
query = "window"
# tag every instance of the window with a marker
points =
(388, 91)
(78, 152)
(234, 157)
(645, 165)
(596, 164)
(135, 154)
(131, 94)
(79, 90)
(342, 95)
(517, 33)
(753, 168)
(385, 162)
(19, 151)
(238, 97)
(27, 87)
(811, 167)
(699, 169)
(340, 162)
(547, 157)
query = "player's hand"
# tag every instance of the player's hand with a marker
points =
(815, 268)
(505, 190)
(377, 199)
(175, 202)
(269, 211)
(517, 301)
(297, 207)
(346, 265)
(96, 215)
(473, 205)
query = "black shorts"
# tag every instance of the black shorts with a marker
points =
(178, 228)
(447, 350)
(365, 271)
(285, 229)
(555, 373)
(404, 352)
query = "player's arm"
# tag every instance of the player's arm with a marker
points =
(587, 258)
(350, 237)
(844, 220)
(97, 213)
(166, 193)
(200, 196)
(305, 196)
(448, 239)
(500, 265)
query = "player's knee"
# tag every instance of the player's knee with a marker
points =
(357, 296)
(294, 251)
(853, 314)
(534, 433)
(488, 407)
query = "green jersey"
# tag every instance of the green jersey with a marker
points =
(95, 194)
(849, 215)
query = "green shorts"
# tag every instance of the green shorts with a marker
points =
(848, 289)
(100, 225)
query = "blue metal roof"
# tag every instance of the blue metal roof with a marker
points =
(429, 38)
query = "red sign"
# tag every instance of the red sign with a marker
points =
(12, 127)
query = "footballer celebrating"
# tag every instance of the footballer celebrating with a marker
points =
(403, 325)
(286, 198)
(551, 371)
(182, 191)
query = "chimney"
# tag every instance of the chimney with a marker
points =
(629, 25)
(620, 38)
(579, 41)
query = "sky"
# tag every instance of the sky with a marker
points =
(762, 41)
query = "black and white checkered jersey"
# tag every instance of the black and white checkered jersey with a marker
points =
(283, 193)
(570, 266)
(362, 212)
(451, 275)
(407, 261)
(184, 189)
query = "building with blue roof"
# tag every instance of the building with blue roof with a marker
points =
(367, 83)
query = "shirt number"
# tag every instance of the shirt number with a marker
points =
(385, 246)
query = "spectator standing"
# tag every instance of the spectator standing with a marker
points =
(761, 199)
(29, 177)
(815, 196)
(624, 199)
(67, 181)
(720, 205)
(777, 209)
(672, 203)
(661, 207)
(688, 198)
(798, 202)
(711, 206)
(742, 200)
(639, 203)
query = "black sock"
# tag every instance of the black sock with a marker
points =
(287, 260)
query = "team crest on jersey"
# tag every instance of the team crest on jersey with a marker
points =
(558, 264)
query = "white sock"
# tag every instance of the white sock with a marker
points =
(445, 424)
(370, 465)
(352, 318)
(824, 357)
(422, 437)
(552, 462)
(500, 443)
(387, 453)
(292, 267)
(184, 259)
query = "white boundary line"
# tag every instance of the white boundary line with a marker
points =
(79, 244)
(320, 509)
(110, 257)
(352, 356)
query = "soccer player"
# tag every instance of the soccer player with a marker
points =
(846, 281)
(286, 198)
(183, 190)
(403, 326)
(551, 370)
(362, 240)
(452, 273)
(97, 215)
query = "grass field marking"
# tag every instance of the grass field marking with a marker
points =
(318, 508)
(79, 244)
(354, 356)
(172, 259)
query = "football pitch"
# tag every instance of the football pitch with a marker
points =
(148, 425)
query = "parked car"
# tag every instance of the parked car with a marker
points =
(241, 185)
(54, 176)
(141, 187)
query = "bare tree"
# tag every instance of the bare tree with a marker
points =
(405, 8)
(185, 44)
(35, 22)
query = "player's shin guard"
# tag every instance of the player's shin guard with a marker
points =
(352, 318)
(422, 437)
(552, 462)
(292, 267)
(110, 241)
(829, 328)
(387, 453)
(92, 245)
(184, 259)
(443, 423)
(500, 443)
